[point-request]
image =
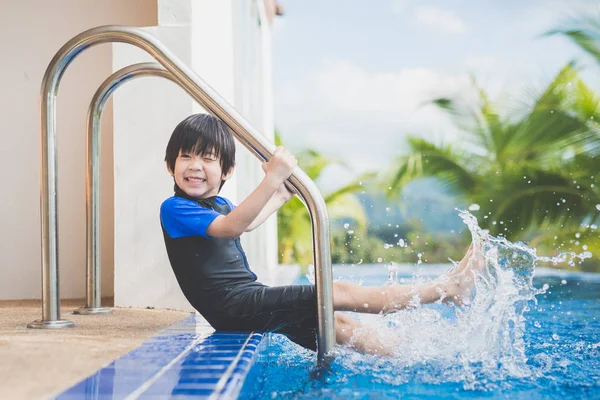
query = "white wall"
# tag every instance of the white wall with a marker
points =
(31, 31)
(202, 33)
(222, 40)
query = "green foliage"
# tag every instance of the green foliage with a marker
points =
(584, 31)
(529, 173)
(293, 220)
(533, 175)
(417, 246)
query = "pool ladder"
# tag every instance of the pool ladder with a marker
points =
(175, 71)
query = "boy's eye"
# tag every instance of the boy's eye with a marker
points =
(184, 156)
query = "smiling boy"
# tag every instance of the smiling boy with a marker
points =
(202, 235)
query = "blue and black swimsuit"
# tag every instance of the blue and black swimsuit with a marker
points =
(214, 275)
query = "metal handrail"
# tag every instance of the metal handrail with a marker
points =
(210, 100)
(92, 179)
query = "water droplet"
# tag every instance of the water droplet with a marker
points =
(387, 209)
(598, 207)
(346, 226)
(366, 305)
(555, 336)
(563, 282)
(379, 259)
(350, 232)
(474, 207)
(578, 235)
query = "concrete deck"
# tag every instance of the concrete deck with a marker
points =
(38, 364)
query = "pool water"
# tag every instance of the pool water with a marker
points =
(562, 351)
(528, 332)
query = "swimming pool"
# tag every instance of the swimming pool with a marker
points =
(528, 332)
(561, 354)
(519, 337)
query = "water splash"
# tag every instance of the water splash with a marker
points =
(480, 345)
(392, 274)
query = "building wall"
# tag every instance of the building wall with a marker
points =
(226, 42)
(31, 31)
(206, 37)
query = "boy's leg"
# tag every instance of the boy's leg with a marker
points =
(453, 286)
(351, 333)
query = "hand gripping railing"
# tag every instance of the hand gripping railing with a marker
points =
(210, 100)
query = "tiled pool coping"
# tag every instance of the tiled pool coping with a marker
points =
(187, 360)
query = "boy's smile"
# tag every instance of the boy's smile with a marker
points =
(199, 176)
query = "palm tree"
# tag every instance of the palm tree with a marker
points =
(534, 171)
(584, 31)
(293, 220)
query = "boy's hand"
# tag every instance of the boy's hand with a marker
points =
(283, 193)
(280, 166)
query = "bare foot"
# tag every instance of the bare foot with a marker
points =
(460, 267)
(456, 285)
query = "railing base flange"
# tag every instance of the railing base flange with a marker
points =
(58, 324)
(93, 311)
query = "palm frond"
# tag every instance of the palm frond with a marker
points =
(427, 159)
(347, 206)
(584, 31)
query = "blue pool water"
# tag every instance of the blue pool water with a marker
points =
(561, 356)
(527, 332)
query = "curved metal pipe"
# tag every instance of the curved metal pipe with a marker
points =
(92, 178)
(210, 100)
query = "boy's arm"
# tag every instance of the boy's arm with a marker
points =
(275, 202)
(277, 170)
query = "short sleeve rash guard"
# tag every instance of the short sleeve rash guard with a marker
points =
(183, 217)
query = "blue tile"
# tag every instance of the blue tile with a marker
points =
(194, 375)
(197, 381)
(201, 362)
(92, 388)
(192, 392)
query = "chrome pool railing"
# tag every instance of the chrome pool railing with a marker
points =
(92, 178)
(210, 100)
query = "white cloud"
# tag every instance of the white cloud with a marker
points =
(441, 20)
(400, 6)
(478, 62)
(345, 111)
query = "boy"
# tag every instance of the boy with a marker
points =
(202, 230)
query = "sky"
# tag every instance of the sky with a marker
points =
(352, 78)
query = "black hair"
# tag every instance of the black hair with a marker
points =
(202, 134)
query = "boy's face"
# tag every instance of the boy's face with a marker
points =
(199, 176)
